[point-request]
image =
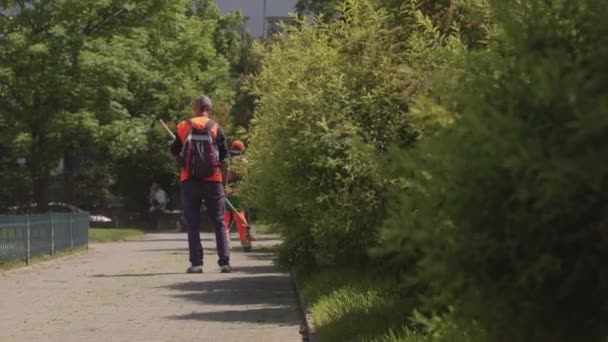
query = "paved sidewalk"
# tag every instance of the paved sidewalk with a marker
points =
(138, 291)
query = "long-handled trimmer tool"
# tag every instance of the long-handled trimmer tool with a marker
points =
(167, 128)
(248, 228)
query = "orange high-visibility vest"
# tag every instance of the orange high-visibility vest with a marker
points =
(183, 128)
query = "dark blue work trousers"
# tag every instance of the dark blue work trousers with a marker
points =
(195, 192)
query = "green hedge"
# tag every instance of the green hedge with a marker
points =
(504, 213)
(332, 98)
(491, 206)
(329, 101)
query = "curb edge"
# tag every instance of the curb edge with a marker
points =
(309, 333)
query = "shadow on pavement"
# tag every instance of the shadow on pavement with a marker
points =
(276, 315)
(259, 269)
(273, 292)
(135, 275)
(261, 253)
(179, 251)
(269, 290)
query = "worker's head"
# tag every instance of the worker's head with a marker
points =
(238, 145)
(202, 105)
(155, 186)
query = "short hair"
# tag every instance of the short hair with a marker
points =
(202, 104)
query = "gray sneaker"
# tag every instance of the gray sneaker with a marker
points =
(195, 269)
(225, 268)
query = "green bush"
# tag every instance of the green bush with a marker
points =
(503, 213)
(332, 98)
(497, 208)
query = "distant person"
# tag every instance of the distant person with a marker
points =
(238, 216)
(200, 145)
(158, 204)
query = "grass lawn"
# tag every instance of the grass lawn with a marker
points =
(113, 234)
(354, 305)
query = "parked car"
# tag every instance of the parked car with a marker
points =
(60, 207)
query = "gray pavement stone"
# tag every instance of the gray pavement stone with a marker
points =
(138, 291)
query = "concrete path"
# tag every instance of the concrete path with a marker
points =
(138, 291)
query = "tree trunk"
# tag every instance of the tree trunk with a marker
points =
(40, 172)
(41, 190)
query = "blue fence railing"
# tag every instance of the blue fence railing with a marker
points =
(26, 236)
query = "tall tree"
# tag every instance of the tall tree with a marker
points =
(73, 73)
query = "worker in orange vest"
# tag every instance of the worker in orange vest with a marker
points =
(200, 146)
(237, 216)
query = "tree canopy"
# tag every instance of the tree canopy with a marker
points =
(98, 74)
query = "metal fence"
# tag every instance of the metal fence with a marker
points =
(26, 236)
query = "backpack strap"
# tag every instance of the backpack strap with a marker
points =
(209, 126)
(189, 122)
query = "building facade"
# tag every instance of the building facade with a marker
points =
(261, 16)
